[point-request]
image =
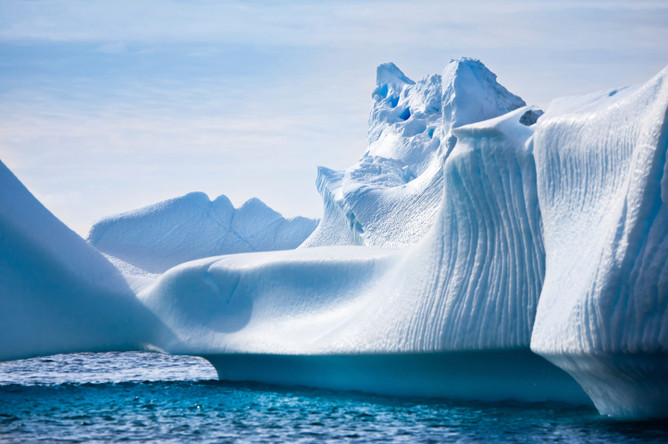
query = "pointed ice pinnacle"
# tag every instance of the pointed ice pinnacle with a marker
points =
(472, 94)
(394, 191)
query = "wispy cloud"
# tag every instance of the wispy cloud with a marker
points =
(144, 100)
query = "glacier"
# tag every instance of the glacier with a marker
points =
(158, 237)
(480, 249)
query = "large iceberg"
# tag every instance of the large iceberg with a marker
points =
(469, 286)
(161, 236)
(475, 242)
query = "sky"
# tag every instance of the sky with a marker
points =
(107, 106)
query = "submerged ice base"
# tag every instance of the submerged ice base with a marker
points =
(489, 375)
(621, 385)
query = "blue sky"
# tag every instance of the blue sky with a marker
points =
(106, 106)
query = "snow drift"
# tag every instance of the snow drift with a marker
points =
(161, 236)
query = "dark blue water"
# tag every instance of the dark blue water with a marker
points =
(155, 397)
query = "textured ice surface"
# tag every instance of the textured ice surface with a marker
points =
(392, 195)
(161, 236)
(472, 283)
(603, 311)
(57, 293)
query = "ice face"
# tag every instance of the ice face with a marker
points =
(161, 236)
(603, 310)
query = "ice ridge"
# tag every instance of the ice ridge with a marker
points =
(161, 236)
(57, 293)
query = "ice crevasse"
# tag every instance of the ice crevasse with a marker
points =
(475, 235)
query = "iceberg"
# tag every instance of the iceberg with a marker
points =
(57, 293)
(466, 293)
(160, 236)
(480, 249)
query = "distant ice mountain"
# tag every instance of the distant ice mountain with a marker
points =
(161, 236)
(392, 195)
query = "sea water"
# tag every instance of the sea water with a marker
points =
(157, 397)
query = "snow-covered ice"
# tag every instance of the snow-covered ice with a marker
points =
(161, 236)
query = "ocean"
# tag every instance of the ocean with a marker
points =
(133, 396)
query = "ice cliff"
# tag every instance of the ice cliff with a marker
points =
(161, 236)
(522, 235)
(603, 193)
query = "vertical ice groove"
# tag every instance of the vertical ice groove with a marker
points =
(600, 165)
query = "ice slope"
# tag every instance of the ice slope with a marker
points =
(603, 191)
(161, 236)
(57, 294)
(472, 284)
(392, 195)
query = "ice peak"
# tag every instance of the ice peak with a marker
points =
(471, 93)
(389, 74)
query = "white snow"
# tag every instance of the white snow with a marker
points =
(161, 236)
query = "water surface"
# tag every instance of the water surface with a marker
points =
(148, 396)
